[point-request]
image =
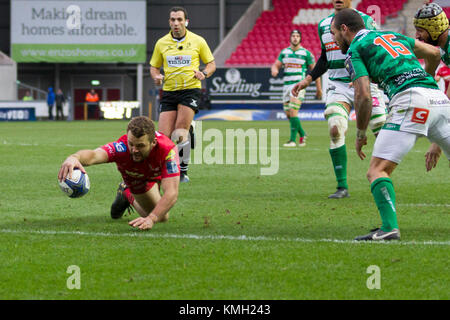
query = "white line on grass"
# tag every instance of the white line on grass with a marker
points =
(138, 234)
(24, 144)
(424, 205)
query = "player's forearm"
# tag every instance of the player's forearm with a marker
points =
(88, 157)
(163, 206)
(308, 79)
(363, 102)
(274, 69)
(431, 64)
(318, 84)
(363, 109)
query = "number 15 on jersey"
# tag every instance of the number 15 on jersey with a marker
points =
(394, 48)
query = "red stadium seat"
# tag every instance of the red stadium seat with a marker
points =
(271, 31)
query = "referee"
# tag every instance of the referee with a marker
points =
(179, 53)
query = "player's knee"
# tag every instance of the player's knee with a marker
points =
(377, 171)
(336, 115)
(370, 175)
(337, 125)
(334, 132)
(374, 173)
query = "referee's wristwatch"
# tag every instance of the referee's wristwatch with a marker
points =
(205, 73)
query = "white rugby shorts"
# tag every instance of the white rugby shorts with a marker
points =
(414, 113)
(287, 93)
(341, 91)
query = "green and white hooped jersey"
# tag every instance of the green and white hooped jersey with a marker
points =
(295, 64)
(336, 59)
(388, 59)
(445, 54)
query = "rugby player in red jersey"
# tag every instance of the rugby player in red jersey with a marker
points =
(147, 160)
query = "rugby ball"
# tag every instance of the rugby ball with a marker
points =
(77, 186)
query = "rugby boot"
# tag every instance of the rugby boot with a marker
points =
(302, 142)
(121, 203)
(290, 144)
(380, 235)
(339, 194)
(184, 178)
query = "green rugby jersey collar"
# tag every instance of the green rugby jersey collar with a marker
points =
(294, 51)
(361, 33)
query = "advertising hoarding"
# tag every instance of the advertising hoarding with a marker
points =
(78, 31)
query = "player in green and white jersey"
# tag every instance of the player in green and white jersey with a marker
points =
(431, 25)
(340, 96)
(417, 107)
(296, 61)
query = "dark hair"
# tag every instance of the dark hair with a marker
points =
(175, 9)
(296, 31)
(140, 126)
(351, 18)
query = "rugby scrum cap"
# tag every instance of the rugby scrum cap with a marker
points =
(432, 18)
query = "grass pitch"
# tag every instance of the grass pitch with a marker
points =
(233, 234)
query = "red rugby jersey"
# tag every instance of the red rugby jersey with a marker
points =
(444, 73)
(162, 162)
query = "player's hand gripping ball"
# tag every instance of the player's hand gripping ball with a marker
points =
(77, 186)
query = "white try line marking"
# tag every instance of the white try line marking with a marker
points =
(424, 205)
(25, 144)
(138, 234)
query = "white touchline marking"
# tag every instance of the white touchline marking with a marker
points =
(424, 204)
(138, 234)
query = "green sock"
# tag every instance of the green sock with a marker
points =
(339, 159)
(299, 127)
(294, 129)
(384, 195)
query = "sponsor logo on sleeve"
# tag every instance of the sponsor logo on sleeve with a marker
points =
(420, 115)
(171, 155)
(120, 146)
(171, 167)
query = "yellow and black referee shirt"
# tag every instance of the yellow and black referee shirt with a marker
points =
(179, 59)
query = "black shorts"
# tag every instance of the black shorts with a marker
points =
(188, 97)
